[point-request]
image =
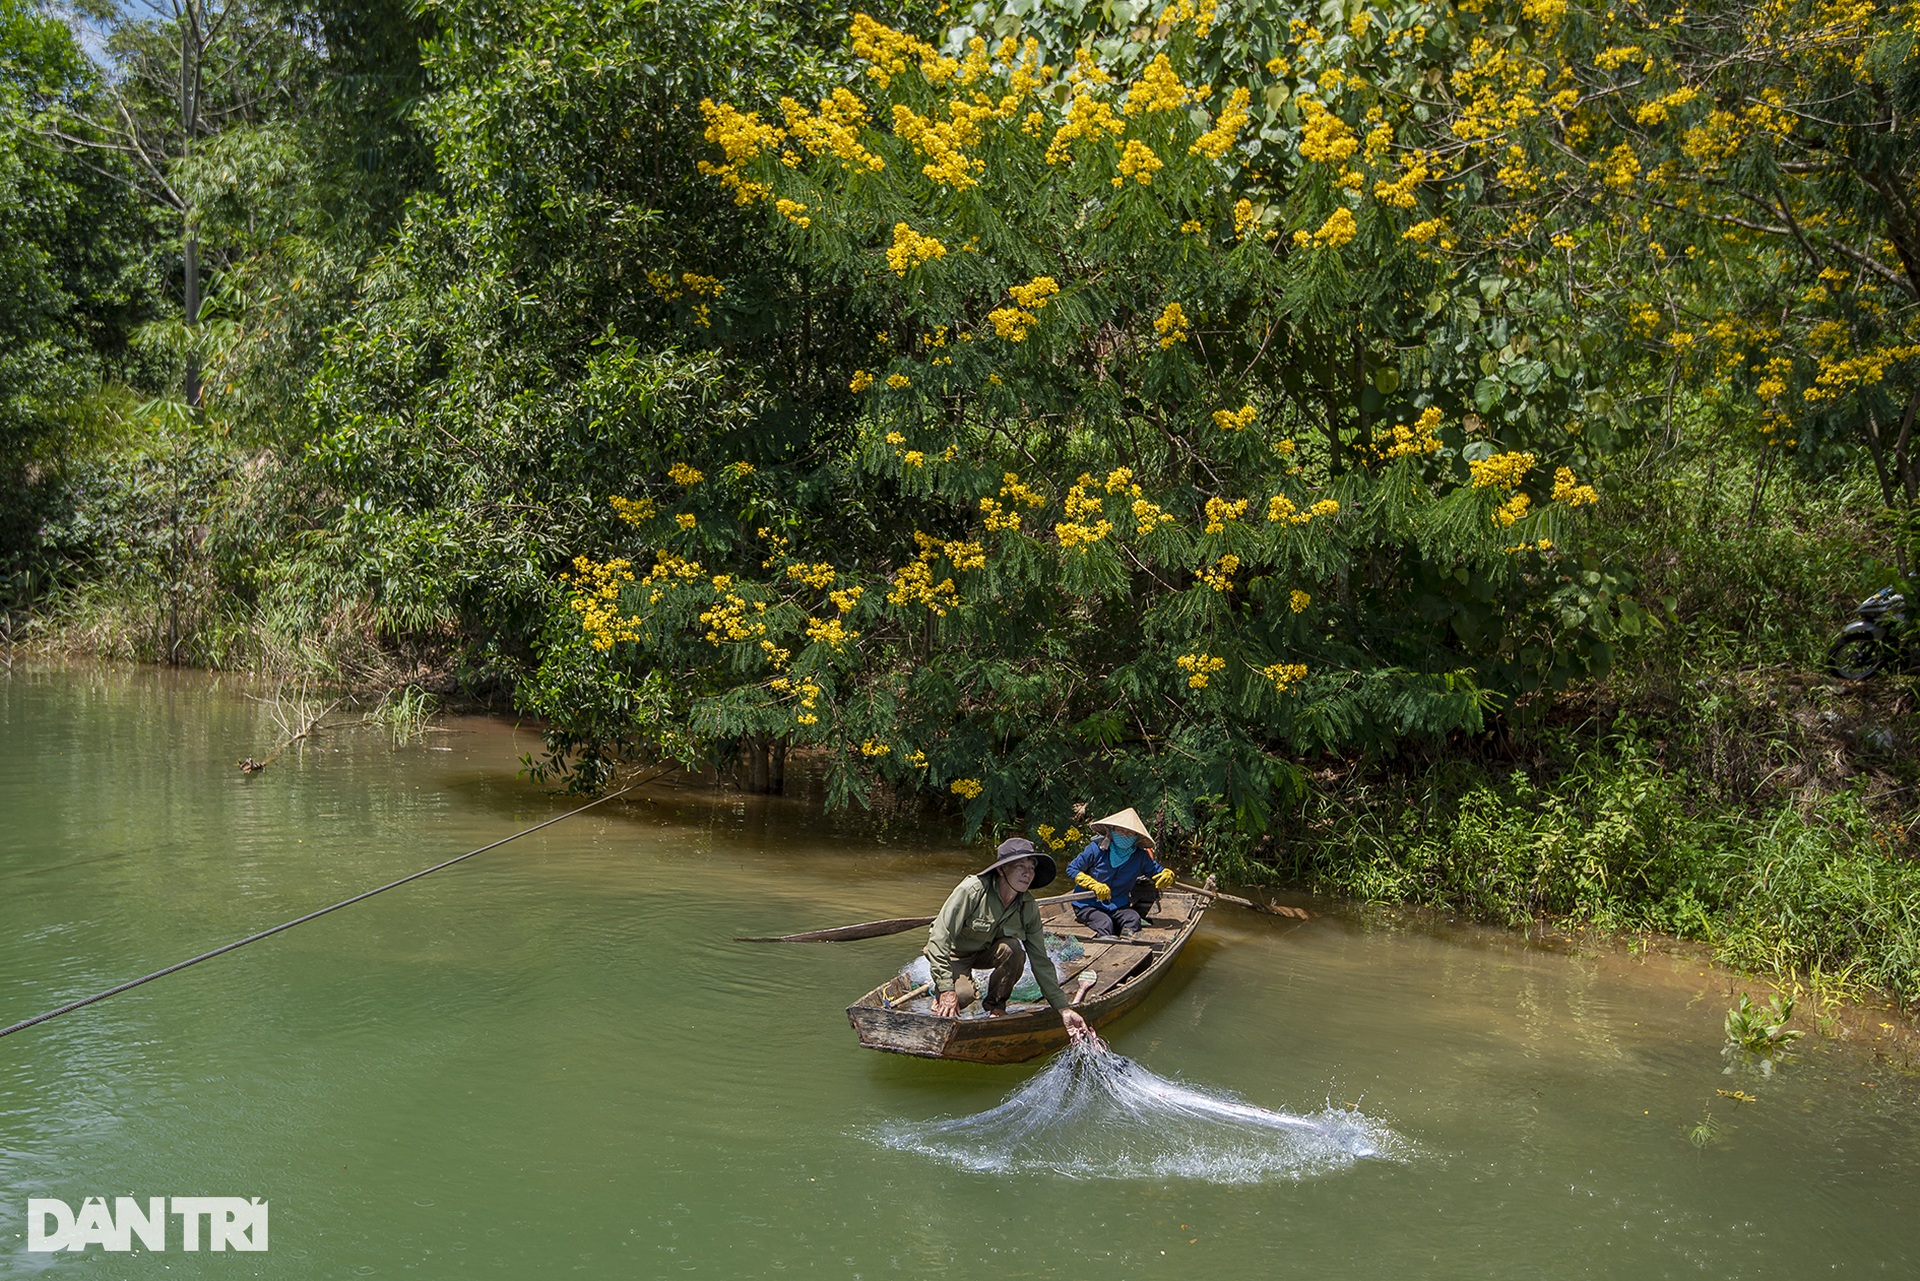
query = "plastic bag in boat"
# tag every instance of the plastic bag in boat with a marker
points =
(1059, 950)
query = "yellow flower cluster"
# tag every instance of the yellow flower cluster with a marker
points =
(1085, 525)
(1219, 576)
(1148, 517)
(1421, 232)
(944, 142)
(1337, 230)
(1013, 490)
(994, 518)
(1324, 136)
(914, 585)
(1138, 162)
(1120, 480)
(1200, 12)
(1717, 138)
(1836, 377)
(897, 381)
(1036, 293)
(741, 136)
(685, 520)
(1011, 323)
(681, 474)
(1220, 511)
(1498, 91)
(1283, 675)
(1280, 509)
(1404, 441)
(830, 632)
(846, 598)
(809, 692)
(1298, 601)
(1511, 510)
(632, 510)
(1158, 89)
(1171, 325)
(727, 619)
(1568, 490)
(596, 598)
(1500, 470)
(887, 53)
(662, 283)
(1229, 420)
(1199, 667)
(966, 556)
(1233, 117)
(1621, 170)
(794, 212)
(1087, 117)
(668, 565)
(1655, 112)
(860, 381)
(871, 748)
(834, 130)
(1400, 193)
(967, 788)
(910, 249)
(1244, 217)
(817, 575)
(1086, 69)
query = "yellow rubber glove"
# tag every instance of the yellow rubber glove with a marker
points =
(1099, 888)
(1163, 879)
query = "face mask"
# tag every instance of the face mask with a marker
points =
(1122, 848)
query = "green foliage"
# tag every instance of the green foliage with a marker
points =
(1617, 840)
(1762, 1029)
(70, 282)
(1119, 547)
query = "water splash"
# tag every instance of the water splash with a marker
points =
(1093, 1114)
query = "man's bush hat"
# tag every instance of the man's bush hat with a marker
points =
(1015, 848)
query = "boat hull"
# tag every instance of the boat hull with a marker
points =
(1029, 1033)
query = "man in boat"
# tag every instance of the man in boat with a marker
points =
(1112, 867)
(990, 921)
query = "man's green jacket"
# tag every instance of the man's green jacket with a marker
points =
(973, 918)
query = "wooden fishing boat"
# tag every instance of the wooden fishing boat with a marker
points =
(1123, 970)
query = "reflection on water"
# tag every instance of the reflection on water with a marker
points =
(554, 1057)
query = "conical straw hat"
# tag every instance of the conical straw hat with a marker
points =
(1125, 821)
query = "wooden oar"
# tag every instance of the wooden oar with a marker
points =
(1271, 909)
(875, 929)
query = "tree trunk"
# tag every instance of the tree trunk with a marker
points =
(191, 389)
(192, 49)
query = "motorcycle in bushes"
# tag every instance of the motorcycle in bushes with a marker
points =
(1881, 638)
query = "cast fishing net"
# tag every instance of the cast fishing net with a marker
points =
(1093, 1114)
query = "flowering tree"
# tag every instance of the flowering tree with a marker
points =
(1153, 494)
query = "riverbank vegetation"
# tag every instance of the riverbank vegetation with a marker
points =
(1418, 453)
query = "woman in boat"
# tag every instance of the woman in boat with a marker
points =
(990, 921)
(1112, 866)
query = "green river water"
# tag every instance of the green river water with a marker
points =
(553, 1060)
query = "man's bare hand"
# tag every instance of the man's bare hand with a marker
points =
(948, 1006)
(1077, 1029)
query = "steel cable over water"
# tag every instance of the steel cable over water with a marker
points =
(118, 988)
(1093, 1114)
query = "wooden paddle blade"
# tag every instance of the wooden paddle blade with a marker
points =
(846, 933)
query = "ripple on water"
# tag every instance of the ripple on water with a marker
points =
(1094, 1114)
